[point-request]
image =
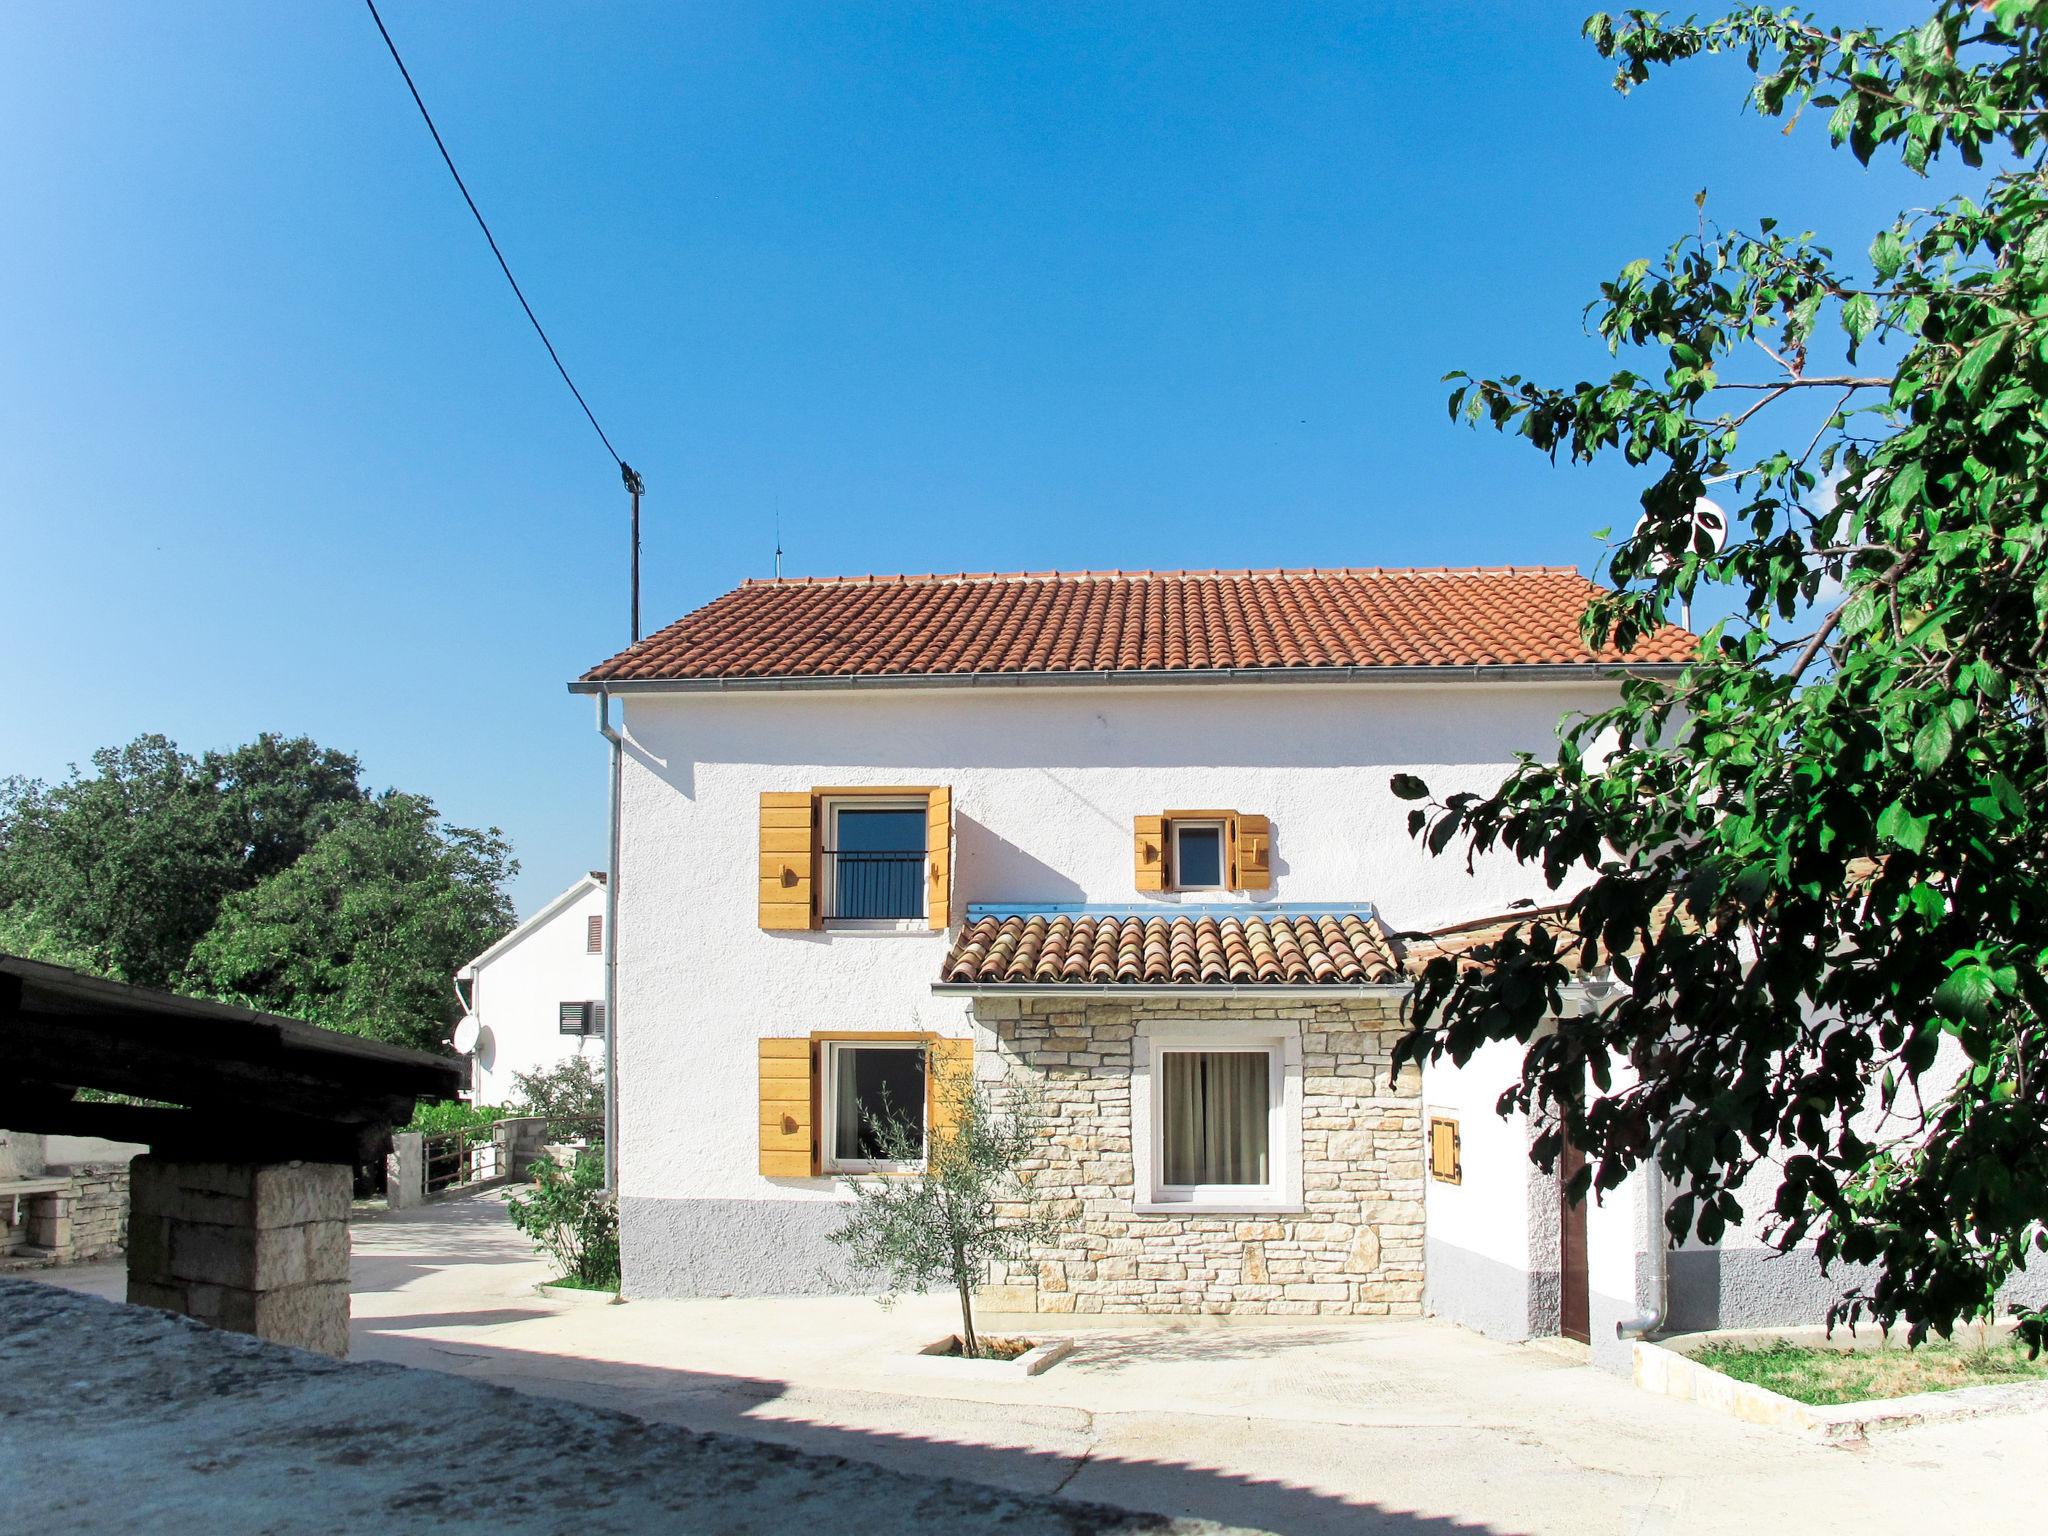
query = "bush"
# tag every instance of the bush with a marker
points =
(572, 1218)
(569, 1096)
(438, 1119)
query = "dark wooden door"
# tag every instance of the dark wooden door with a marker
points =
(1574, 1308)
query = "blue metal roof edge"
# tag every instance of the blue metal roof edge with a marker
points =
(977, 910)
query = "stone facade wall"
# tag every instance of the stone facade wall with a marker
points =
(1357, 1246)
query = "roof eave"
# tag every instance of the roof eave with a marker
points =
(1541, 672)
(1233, 989)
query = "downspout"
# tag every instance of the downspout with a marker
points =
(609, 732)
(1648, 1322)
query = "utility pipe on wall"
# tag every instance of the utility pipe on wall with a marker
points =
(1648, 1322)
(610, 733)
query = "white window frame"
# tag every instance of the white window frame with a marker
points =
(1282, 1191)
(1205, 823)
(828, 889)
(828, 1109)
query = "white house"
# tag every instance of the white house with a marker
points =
(1130, 834)
(536, 997)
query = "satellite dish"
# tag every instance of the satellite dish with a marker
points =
(468, 1034)
(1709, 524)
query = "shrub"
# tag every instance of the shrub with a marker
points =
(572, 1218)
(568, 1095)
(437, 1119)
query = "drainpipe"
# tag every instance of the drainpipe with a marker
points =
(1648, 1322)
(610, 733)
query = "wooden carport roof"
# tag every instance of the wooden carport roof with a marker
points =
(238, 1083)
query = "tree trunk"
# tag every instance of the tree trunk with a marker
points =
(970, 1346)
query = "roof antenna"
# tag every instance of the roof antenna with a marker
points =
(778, 536)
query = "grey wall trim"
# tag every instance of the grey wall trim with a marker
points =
(1762, 1288)
(732, 1248)
(1546, 673)
(1486, 1295)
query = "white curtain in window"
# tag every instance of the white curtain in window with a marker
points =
(846, 1122)
(1213, 1113)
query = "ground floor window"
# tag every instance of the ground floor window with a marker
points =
(1219, 1121)
(868, 1087)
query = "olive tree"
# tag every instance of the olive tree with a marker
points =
(961, 1199)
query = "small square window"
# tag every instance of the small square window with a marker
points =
(1198, 855)
(867, 1088)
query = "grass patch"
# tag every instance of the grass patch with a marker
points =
(1819, 1375)
(572, 1283)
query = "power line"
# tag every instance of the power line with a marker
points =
(626, 473)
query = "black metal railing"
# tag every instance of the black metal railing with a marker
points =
(876, 884)
(455, 1158)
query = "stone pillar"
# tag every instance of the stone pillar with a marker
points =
(405, 1170)
(260, 1248)
(520, 1139)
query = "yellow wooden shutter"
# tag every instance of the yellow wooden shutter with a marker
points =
(788, 858)
(1252, 846)
(948, 1076)
(788, 1150)
(938, 849)
(1150, 853)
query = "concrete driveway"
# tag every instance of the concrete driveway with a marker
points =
(1312, 1427)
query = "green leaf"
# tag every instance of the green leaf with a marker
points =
(1859, 314)
(1932, 744)
(1407, 786)
(1901, 826)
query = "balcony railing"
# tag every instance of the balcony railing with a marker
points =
(875, 885)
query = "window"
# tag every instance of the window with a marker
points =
(867, 1087)
(1198, 855)
(593, 936)
(582, 1019)
(1217, 1121)
(874, 857)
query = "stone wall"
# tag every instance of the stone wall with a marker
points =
(93, 1223)
(1355, 1248)
(260, 1248)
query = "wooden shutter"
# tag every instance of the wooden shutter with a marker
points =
(1150, 855)
(948, 1074)
(1251, 844)
(571, 1018)
(1445, 1163)
(593, 935)
(788, 1149)
(788, 858)
(938, 851)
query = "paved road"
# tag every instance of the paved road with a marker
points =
(1304, 1428)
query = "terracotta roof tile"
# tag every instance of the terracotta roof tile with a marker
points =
(1132, 948)
(1131, 621)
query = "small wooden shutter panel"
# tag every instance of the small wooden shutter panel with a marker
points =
(1150, 853)
(938, 848)
(788, 1150)
(948, 1075)
(788, 859)
(1253, 851)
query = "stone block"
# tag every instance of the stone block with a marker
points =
(292, 1194)
(1364, 1257)
(311, 1317)
(327, 1251)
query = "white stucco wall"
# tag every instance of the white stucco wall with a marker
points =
(1046, 783)
(518, 992)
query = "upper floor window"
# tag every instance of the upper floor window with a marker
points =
(874, 857)
(1203, 851)
(1197, 855)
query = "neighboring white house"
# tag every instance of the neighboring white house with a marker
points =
(536, 997)
(1130, 834)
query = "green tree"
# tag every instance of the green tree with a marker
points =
(124, 870)
(966, 1200)
(1817, 855)
(569, 1095)
(364, 931)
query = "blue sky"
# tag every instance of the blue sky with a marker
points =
(973, 287)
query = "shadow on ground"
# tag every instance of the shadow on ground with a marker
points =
(744, 1406)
